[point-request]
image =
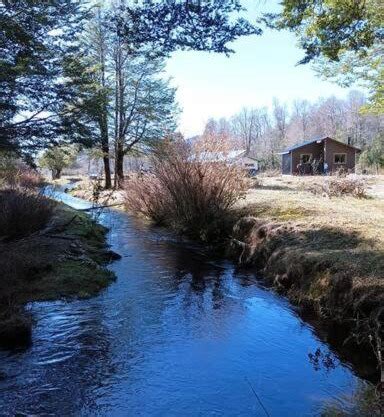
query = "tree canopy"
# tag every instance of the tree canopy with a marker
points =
(343, 38)
(52, 88)
(331, 27)
(35, 39)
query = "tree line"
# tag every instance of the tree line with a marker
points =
(76, 72)
(264, 132)
(79, 72)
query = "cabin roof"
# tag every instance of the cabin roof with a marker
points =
(309, 142)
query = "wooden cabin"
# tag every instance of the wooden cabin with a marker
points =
(319, 156)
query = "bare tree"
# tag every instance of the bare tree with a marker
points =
(301, 112)
(266, 133)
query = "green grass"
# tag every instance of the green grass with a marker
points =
(67, 262)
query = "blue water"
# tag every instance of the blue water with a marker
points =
(176, 335)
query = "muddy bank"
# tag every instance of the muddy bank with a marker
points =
(65, 260)
(330, 273)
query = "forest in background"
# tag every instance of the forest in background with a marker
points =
(76, 74)
(265, 132)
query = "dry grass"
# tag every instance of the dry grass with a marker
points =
(326, 253)
(23, 212)
(63, 262)
(286, 199)
(191, 188)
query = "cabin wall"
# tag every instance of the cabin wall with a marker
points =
(286, 167)
(332, 147)
(315, 149)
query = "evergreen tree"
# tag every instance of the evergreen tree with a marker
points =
(343, 37)
(35, 39)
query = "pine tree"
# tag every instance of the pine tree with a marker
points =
(35, 39)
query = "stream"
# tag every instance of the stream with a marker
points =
(177, 334)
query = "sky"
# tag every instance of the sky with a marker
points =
(262, 67)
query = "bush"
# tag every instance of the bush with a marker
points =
(338, 186)
(190, 188)
(23, 212)
(14, 173)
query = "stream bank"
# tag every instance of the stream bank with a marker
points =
(65, 260)
(331, 268)
(180, 332)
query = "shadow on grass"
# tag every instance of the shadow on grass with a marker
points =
(273, 187)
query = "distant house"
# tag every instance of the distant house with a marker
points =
(239, 157)
(319, 155)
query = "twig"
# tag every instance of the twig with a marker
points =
(60, 227)
(61, 237)
(100, 207)
(258, 398)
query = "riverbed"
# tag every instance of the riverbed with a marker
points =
(177, 334)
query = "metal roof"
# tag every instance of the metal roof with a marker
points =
(218, 156)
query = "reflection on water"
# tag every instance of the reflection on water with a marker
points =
(177, 335)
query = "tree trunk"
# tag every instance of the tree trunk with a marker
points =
(103, 117)
(56, 174)
(119, 114)
(105, 150)
(119, 168)
(107, 172)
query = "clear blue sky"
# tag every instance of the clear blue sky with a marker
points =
(263, 67)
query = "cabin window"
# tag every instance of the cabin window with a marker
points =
(339, 158)
(249, 165)
(305, 157)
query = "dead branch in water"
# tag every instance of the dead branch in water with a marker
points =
(101, 207)
(258, 398)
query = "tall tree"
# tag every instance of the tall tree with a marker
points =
(301, 111)
(245, 127)
(35, 38)
(95, 86)
(153, 29)
(343, 37)
(145, 108)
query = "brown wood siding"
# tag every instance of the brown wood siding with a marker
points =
(316, 149)
(333, 147)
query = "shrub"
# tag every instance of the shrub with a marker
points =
(23, 212)
(190, 188)
(14, 173)
(338, 186)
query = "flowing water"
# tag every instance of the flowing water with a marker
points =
(178, 334)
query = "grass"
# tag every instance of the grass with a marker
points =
(323, 253)
(67, 261)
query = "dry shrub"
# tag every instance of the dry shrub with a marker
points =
(338, 186)
(23, 212)
(16, 174)
(191, 187)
